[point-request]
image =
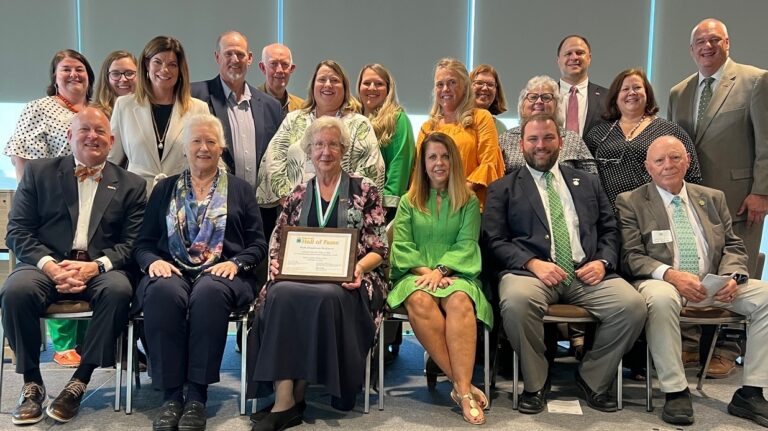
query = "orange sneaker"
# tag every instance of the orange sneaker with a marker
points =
(67, 359)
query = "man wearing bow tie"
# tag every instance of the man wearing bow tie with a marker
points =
(72, 226)
(551, 231)
(675, 233)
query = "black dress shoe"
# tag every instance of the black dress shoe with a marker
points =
(261, 414)
(754, 408)
(278, 421)
(534, 402)
(603, 401)
(29, 408)
(65, 407)
(168, 418)
(193, 418)
(678, 409)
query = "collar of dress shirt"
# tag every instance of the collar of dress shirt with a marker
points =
(565, 87)
(667, 197)
(99, 166)
(228, 91)
(717, 75)
(538, 175)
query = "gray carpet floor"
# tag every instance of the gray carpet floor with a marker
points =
(409, 405)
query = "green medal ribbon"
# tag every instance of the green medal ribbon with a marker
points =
(323, 217)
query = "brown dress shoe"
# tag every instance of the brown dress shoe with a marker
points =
(65, 407)
(720, 368)
(29, 408)
(690, 359)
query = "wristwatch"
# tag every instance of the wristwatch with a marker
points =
(237, 262)
(740, 278)
(443, 270)
(102, 268)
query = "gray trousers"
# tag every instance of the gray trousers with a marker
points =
(619, 308)
(663, 331)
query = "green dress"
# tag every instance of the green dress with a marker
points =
(449, 239)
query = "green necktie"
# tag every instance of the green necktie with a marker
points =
(706, 97)
(563, 255)
(686, 241)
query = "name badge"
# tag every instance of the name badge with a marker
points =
(661, 236)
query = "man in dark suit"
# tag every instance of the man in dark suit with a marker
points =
(72, 225)
(724, 108)
(583, 101)
(552, 233)
(675, 233)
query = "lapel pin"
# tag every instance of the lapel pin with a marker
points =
(576, 181)
(112, 187)
(701, 202)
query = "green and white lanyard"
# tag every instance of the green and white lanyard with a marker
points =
(324, 216)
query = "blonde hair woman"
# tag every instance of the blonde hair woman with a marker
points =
(453, 112)
(378, 100)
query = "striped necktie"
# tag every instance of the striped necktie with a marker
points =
(563, 254)
(686, 241)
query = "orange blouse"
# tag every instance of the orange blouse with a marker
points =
(478, 146)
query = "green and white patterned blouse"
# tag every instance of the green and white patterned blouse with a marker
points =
(285, 165)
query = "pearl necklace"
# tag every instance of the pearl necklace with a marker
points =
(631, 132)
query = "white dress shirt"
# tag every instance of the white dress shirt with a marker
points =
(700, 87)
(581, 96)
(569, 210)
(243, 134)
(698, 233)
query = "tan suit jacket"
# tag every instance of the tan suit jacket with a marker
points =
(135, 141)
(642, 211)
(732, 139)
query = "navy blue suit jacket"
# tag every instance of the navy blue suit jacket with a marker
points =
(266, 110)
(515, 227)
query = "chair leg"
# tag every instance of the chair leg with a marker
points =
(620, 385)
(243, 356)
(381, 364)
(2, 362)
(131, 369)
(367, 406)
(119, 372)
(487, 365)
(648, 379)
(515, 379)
(703, 373)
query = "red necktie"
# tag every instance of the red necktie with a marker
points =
(83, 172)
(572, 116)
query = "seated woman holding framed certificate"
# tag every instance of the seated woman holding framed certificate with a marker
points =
(435, 265)
(320, 332)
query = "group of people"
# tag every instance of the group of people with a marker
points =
(593, 200)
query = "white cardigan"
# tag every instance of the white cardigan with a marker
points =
(135, 140)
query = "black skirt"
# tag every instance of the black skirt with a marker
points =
(319, 332)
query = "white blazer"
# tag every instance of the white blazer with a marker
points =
(135, 140)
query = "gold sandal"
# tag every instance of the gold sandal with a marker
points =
(482, 400)
(474, 408)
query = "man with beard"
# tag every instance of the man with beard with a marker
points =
(551, 232)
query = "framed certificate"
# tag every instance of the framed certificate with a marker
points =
(318, 254)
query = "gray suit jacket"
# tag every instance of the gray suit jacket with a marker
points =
(732, 139)
(641, 212)
(45, 209)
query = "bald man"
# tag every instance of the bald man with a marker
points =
(277, 66)
(673, 234)
(72, 225)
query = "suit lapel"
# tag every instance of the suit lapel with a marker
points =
(718, 97)
(144, 120)
(174, 131)
(573, 183)
(529, 189)
(104, 192)
(686, 117)
(257, 110)
(69, 189)
(702, 206)
(593, 103)
(219, 104)
(655, 205)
